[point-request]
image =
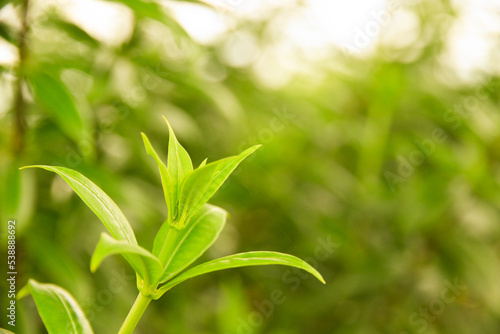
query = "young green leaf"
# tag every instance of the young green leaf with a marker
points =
(201, 184)
(161, 236)
(143, 262)
(4, 331)
(202, 231)
(178, 162)
(97, 200)
(166, 179)
(240, 260)
(59, 311)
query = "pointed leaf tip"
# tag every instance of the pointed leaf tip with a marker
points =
(166, 179)
(201, 184)
(241, 260)
(203, 163)
(166, 121)
(179, 164)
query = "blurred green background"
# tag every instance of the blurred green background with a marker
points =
(380, 165)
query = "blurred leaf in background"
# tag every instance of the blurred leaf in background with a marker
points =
(380, 129)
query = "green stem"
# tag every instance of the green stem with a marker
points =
(135, 314)
(142, 302)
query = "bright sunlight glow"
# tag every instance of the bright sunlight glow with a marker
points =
(355, 27)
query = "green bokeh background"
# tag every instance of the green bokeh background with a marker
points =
(389, 159)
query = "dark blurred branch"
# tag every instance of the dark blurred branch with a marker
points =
(19, 106)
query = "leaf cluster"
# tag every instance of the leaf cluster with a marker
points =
(191, 227)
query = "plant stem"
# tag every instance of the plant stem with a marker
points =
(135, 314)
(142, 302)
(19, 107)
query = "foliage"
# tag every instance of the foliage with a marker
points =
(186, 194)
(340, 174)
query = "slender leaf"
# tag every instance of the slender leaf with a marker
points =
(4, 331)
(74, 31)
(97, 200)
(178, 163)
(166, 180)
(56, 99)
(194, 240)
(201, 184)
(240, 260)
(143, 262)
(59, 311)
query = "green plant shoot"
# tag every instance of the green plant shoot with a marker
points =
(190, 228)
